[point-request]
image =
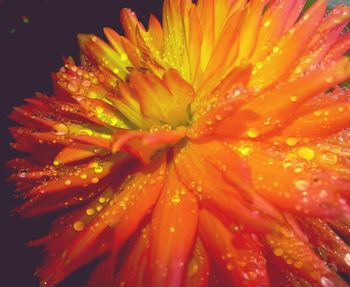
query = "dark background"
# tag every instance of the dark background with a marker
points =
(34, 37)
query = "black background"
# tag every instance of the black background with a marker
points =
(29, 52)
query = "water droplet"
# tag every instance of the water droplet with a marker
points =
(73, 86)
(61, 129)
(95, 180)
(85, 132)
(90, 211)
(298, 264)
(83, 176)
(347, 258)
(301, 184)
(68, 182)
(102, 199)
(275, 49)
(329, 158)
(245, 150)
(278, 251)
(327, 282)
(79, 225)
(297, 70)
(230, 266)
(98, 169)
(172, 229)
(329, 80)
(176, 199)
(267, 23)
(252, 133)
(293, 99)
(124, 57)
(99, 110)
(306, 153)
(22, 173)
(56, 163)
(291, 141)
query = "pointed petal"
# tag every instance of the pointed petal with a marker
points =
(288, 49)
(198, 267)
(296, 255)
(212, 188)
(124, 213)
(132, 272)
(173, 229)
(290, 181)
(237, 256)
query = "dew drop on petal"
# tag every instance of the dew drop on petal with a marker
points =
(267, 23)
(99, 110)
(175, 199)
(293, 98)
(67, 182)
(298, 264)
(291, 141)
(329, 158)
(83, 176)
(245, 150)
(61, 129)
(252, 133)
(124, 57)
(306, 153)
(301, 184)
(230, 266)
(172, 229)
(73, 86)
(98, 169)
(278, 251)
(90, 211)
(347, 258)
(326, 282)
(22, 173)
(79, 225)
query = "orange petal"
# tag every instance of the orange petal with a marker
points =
(175, 16)
(124, 213)
(274, 107)
(237, 255)
(76, 152)
(133, 268)
(298, 256)
(156, 31)
(173, 229)
(206, 11)
(211, 187)
(274, 24)
(290, 181)
(198, 268)
(143, 145)
(288, 49)
(250, 26)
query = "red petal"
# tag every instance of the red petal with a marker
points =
(238, 256)
(123, 213)
(173, 229)
(198, 268)
(292, 253)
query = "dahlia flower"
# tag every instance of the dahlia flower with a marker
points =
(210, 150)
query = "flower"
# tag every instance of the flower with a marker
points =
(211, 150)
